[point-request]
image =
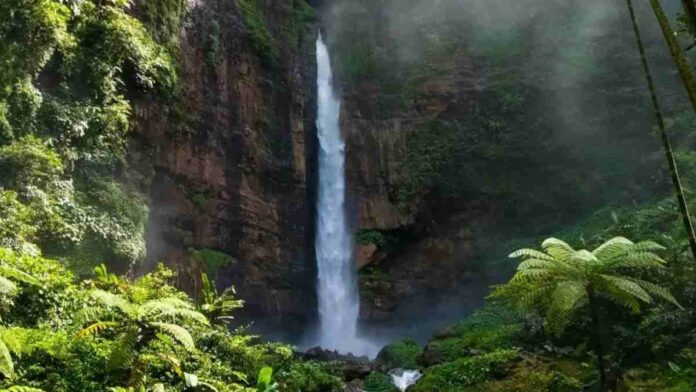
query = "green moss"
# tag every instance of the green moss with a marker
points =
(212, 259)
(403, 354)
(366, 237)
(163, 19)
(259, 33)
(464, 372)
(379, 382)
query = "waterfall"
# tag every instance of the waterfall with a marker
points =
(402, 379)
(337, 283)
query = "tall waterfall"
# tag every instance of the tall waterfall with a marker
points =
(337, 286)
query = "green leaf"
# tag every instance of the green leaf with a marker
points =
(6, 364)
(265, 375)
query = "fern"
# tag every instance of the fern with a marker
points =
(178, 333)
(566, 276)
(6, 364)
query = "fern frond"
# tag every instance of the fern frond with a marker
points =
(530, 297)
(113, 301)
(619, 297)
(90, 314)
(19, 388)
(18, 275)
(583, 257)
(557, 248)
(539, 264)
(124, 354)
(531, 275)
(159, 309)
(628, 286)
(97, 328)
(657, 291)
(648, 246)
(638, 260)
(178, 333)
(6, 364)
(530, 253)
(612, 248)
(565, 296)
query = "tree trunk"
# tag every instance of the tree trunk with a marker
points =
(598, 339)
(690, 13)
(676, 180)
(676, 50)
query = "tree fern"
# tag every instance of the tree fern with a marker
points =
(569, 279)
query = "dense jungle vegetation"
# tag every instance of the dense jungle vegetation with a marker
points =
(620, 315)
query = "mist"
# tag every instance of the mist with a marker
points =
(573, 65)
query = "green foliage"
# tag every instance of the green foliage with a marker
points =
(379, 382)
(366, 237)
(218, 308)
(402, 354)
(61, 138)
(212, 259)
(255, 23)
(310, 377)
(572, 278)
(463, 372)
(62, 335)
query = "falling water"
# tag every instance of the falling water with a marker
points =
(337, 287)
(402, 379)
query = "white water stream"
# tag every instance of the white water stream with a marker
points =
(337, 292)
(402, 379)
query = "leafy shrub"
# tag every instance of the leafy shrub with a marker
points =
(403, 354)
(309, 377)
(464, 371)
(379, 382)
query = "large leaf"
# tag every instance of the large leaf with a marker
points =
(177, 332)
(6, 364)
(557, 248)
(265, 375)
(612, 248)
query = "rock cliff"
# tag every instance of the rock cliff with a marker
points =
(233, 154)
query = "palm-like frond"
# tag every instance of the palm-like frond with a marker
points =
(177, 332)
(612, 248)
(18, 275)
(97, 328)
(530, 254)
(627, 286)
(172, 308)
(124, 353)
(657, 291)
(565, 297)
(557, 248)
(636, 259)
(90, 314)
(6, 364)
(113, 301)
(19, 388)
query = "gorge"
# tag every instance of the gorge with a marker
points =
(322, 195)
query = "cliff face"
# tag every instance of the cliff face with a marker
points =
(233, 164)
(436, 245)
